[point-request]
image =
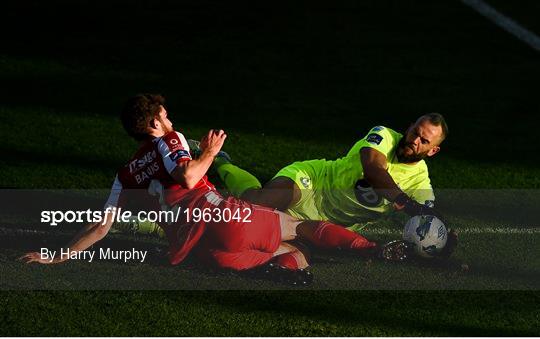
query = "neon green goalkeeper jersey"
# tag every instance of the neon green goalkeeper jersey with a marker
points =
(340, 193)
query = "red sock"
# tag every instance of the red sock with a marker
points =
(328, 235)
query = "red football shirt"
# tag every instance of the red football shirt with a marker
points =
(155, 160)
(151, 167)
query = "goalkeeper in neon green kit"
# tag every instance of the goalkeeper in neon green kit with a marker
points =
(383, 171)
(383, 168)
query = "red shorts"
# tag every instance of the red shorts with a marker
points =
(243, 242)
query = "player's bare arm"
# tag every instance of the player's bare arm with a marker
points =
(375, 172)
(86, 237)
(190, 172)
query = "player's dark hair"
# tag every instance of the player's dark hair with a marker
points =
(437, 119)
(138, 111)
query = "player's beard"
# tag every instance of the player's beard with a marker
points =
(166, 129)
(405, 158)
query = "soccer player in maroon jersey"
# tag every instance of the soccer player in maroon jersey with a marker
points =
(163, 163)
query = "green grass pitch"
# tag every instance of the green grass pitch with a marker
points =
(287, 82)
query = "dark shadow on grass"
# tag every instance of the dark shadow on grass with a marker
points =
(259, 68)
(17, 157)
(393, 310)
(299, 313)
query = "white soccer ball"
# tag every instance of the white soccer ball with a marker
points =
(427, 233)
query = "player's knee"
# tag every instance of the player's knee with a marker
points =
(279, 193)
(288, 226)
(253, 195)
(274, 198)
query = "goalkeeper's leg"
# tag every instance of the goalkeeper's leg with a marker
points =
(279, 193)
(237, 180)
(136, 226)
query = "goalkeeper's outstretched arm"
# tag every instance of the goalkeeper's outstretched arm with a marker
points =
(375, 172)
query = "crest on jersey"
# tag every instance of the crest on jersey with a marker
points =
(306, 182)
(377, 128)
(374, 139)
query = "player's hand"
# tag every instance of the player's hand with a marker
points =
(412, 207)
(36, 257)
(213, 141)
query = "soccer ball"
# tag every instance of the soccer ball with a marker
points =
(427, 233)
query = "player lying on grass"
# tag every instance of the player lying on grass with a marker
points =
(163, 163)
(383, 171)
